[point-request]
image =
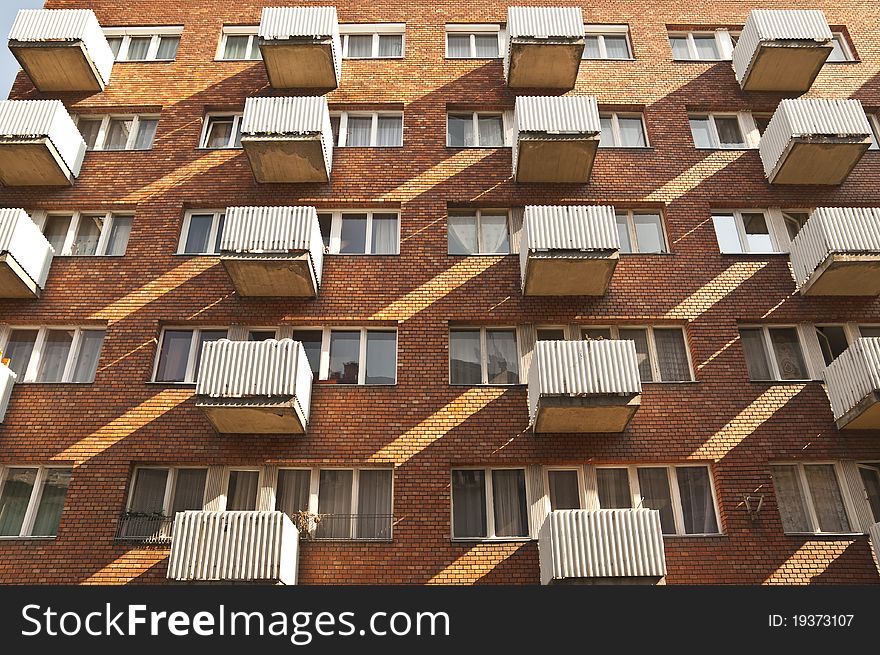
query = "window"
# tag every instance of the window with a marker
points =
(794, 220)
(724, 131)
(774, 353)
(744, 232)
(607, 42)
(242, 488)
(550, 334)
(201, 233)
(701, 46)
(874, 120)
(31, 500)
(222, 131)
(810, 499)
(372, 41)
(842, 51)
(762, 121)
(350, 355)
(473, 41)
(833, 340)
(684, 495)
(367, 129)
(869, 331)
(622, 131)
(118, 132)
(475, 130)
(641, 232)
(312, 341)
(180, 351)
(478, 232)
(144, 43)
(43, 354)
(661, 352)
(564, 487)
(85, 234)
(360, 232)
(483, 356)
(166, 491)
(489, 504)
(239, 44)
(870, 475)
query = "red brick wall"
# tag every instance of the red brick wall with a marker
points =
(423, 426)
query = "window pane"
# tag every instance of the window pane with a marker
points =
(790, 500)
(623, 233)
(458, 46)
(832, 340)
(360, 45)
(613, 488)
(606, 135)
(726, 233)
(838, 53)
(88, 232)
(502, 358)
(787, 349)
(640, 337)
(353, 235)
(617, 47)
(493, 234)
(794, 221)
(292, 495)
(261, 335)
(254, 52)
(390, 45)
(89, 129)
(19, 348)
(117, 241)
(345, 347)
(869, 331)
(679, 47)
(462, 234)
(53, 358)
(596, 334)
(55, 230)
(174, 356)
(89, 352)
(491, 131)
(219, 132)
(461, 131)
(205, 336)
(729, 133)
(649, 233)
(384, 234)
(632, 133)
(870, 474)
(325, 222)
(236, 47)
(509, 503)
(761, 122)
(138, 46)
(487, 45)
(381, 357)
(146, 133)
(827, 501)
(14, 500)
(672, 355)
(358, 131)
(374, 504)
(118, 132)
(197, 238)
(654, 488)
(756, 354)
(241, 494)
(757, 232)
(468, 503)
(550, 334)
(55, 484)
(697, 506)
(464, 357)
(189, 490)
(311, 341)
(564, 490)
(591, 48)
(701, 132)
(707, 48)
(334, 498)
(389, 131)
(168, 47)
(115, 42)
(148, 496)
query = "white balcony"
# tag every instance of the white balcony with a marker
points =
(583, 386)
(7, 381)
(62, 50)
(25, 256)
(606, 546)
(234, 547)
(301, 47)
(39, 144)
(556, 138)
(288, 140)
(874, 536)
(273, 251)
(837, 252)
(544, 47)
(782, 50)
(568, 250)
(853, 382)
(255, 387)
(814, 141)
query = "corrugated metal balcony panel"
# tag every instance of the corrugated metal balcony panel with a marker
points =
(576, 227)
(22, 120)
(874, 536)
(47, 26)
(287, 28)
(281, 23)
(854, 375)
(576, 115)
(7, 381)
(25, 243)
(545, 22)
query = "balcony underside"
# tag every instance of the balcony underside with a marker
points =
(845, 275)
(864, 416)
(253, 416)
(299, 63)
(286, 159)
(58, 66)
(544, 64)
(594, 413)
(639, 580)
(288, 275)
(32, 162)
(786, 66)
(819, 160)
(14, 282)
(569, 274)
(564, 160)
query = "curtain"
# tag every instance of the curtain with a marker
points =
(464, 357)
(640, 337)
(729, 133)
(491, 131)
(334, 498)
(146, 133)
(360, 45)
(502, 358)
(389, 131)
(461, 131)
(14, 500)
(241, 494)
(591, 48)
(564, 490)
(19, 349)
(294, 491)
(381, 357)
(88, 232)
(789, 358)
(55, 231)
(623, 233)
(468, 503)
(53, 358)
(509, 503)
(701, 132)
(606, 134)
(118, 133)
(790, 499)
(374, 505)
(458, 46)
(51, 502)
(756, 353)
(462, 234)
(672, 354)
(632, 133)
(649, 233)
(89, 352)
(198, 233)
(827, 501)
(345, 348)
(390, 45)
(148, 497)
(236, 47)
(679, 48)
(706, 47)
(89, 129)
(697, 506)
(168, 47)
(353, 234)
(487, 45)
(493, 234)
(219, 134)
(616, 47)
(120, 230)
(189, 490)
(174, 356)
(384, 239)
(654, 489)
(613, 488)
(358, 131)
(138, 47)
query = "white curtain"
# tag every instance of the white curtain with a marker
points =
(189, 490)
(389, 131)
(89, 351)
(789, 357)
(138, 47)
(390, 45)
(564, 490)
(458, 46)
(789, 499)
(671, 354)
(509, 503)
(53, 359)
(374, 505)
(334, 499)
(462, 234)
(493, 234)
(468, 503)
(241, 493)
(613, 488)
(756, 353)
(358, 131)
(292, 495)
(502, 358)
(360, 45)
(697, 506)
(384, 239)
(486, 45)
(654, 489)
(491, 131)
(236, 47)
(827, 501)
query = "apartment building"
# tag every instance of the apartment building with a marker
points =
(440, 293)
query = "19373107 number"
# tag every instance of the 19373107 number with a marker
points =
(811, 621)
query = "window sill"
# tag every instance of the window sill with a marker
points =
(170, 384)
(676, 382)
(608, 59)
(488, 386)
(848, 61)
(35, 383)
(449, 147)
(332, 383)
(448, 58)
(755, 255)
(491, 540)
(119, 151)
(702, 535)
(769, 382)
(237, 61)
(825, 535)
(336, 147)
(237, 148)
(144, 61)
(700, 61)
(731, 149)
(646, 254)
(88, 256)
(372, 58)
(8, 538)
(636, 148)
(479, 254)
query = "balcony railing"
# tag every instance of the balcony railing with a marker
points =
(25, 256)
(148, 529)
(7, 381)
(568, 251)
(556, 138)
(62, 49)
(301, 47)
(544, 47)
(814, 141)
(853, 381)
(596, 546)
(837, 252)
(346, 527)
(782, 50)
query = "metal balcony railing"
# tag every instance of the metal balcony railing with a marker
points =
(148, 529)
(345, 527)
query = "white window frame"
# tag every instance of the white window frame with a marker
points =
(324, 373)
(490, 505)
(212, 236)
(190, 377)
(874, 120)
(236, 117)
(484, 355)
(506, 125)
(652, 347)
(30, 515)
(845, 48)
(806, 353)
(601, 31)
(40, 217)
(723, 43)
(100, 140)
(155, 32)
(30, 375)
(336, 231)
(581, 478)
(374, 128)
(747, 127)
(478, 213)
(474, 29)
(633, 236)
(564, 328)
(775, 229)
(615, 117)
(376, 30)
(251, 31)
(675, 493)
(223, 498)
(807, 496)
(170, 482)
